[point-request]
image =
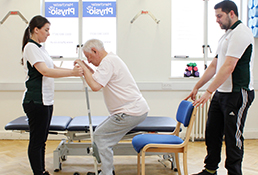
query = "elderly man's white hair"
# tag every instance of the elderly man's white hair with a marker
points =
(93, 43)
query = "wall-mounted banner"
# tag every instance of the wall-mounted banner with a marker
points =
(61, 9)
(99, 9)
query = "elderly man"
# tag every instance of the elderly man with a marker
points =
(124, 101)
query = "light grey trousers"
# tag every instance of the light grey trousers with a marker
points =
(109, 133)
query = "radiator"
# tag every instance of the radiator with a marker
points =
(198, 132)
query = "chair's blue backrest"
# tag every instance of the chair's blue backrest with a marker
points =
(184, 112)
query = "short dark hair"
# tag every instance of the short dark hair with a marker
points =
(226, 6)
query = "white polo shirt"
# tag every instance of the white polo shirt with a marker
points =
(39, 88)
(238, 41)
(120, 91)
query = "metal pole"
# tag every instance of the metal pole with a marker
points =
(205, 48)
(84, 82)
(80, 28)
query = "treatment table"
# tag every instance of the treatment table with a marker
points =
(77, 134)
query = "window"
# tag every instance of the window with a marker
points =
(186, 28)
(64, 36)
(194, 26)
(73, 22)
(99, 21)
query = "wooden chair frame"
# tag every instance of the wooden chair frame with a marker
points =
(169, 148)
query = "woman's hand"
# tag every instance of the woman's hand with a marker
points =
(77, 71)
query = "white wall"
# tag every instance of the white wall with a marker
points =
(11, 33)
(143, 45)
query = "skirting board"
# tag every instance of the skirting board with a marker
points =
(13, 135)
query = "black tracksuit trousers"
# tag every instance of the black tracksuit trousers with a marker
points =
(226, 117)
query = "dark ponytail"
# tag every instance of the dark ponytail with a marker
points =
(37, 21)
(26, 37)
(25, 40)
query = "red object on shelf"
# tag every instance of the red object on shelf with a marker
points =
(189, 68)
(195, 68)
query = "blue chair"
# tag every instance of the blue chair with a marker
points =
(167, 143)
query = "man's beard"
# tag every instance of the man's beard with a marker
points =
(227, 25)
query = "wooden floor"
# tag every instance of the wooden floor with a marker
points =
(14, 161)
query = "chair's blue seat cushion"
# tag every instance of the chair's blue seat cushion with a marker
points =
(141, 140)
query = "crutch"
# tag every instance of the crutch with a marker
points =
(93, 150)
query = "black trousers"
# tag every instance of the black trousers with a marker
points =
(226, 118)
(39, 121)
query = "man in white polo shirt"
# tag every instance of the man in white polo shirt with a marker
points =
(233, 83)
(123, 99)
